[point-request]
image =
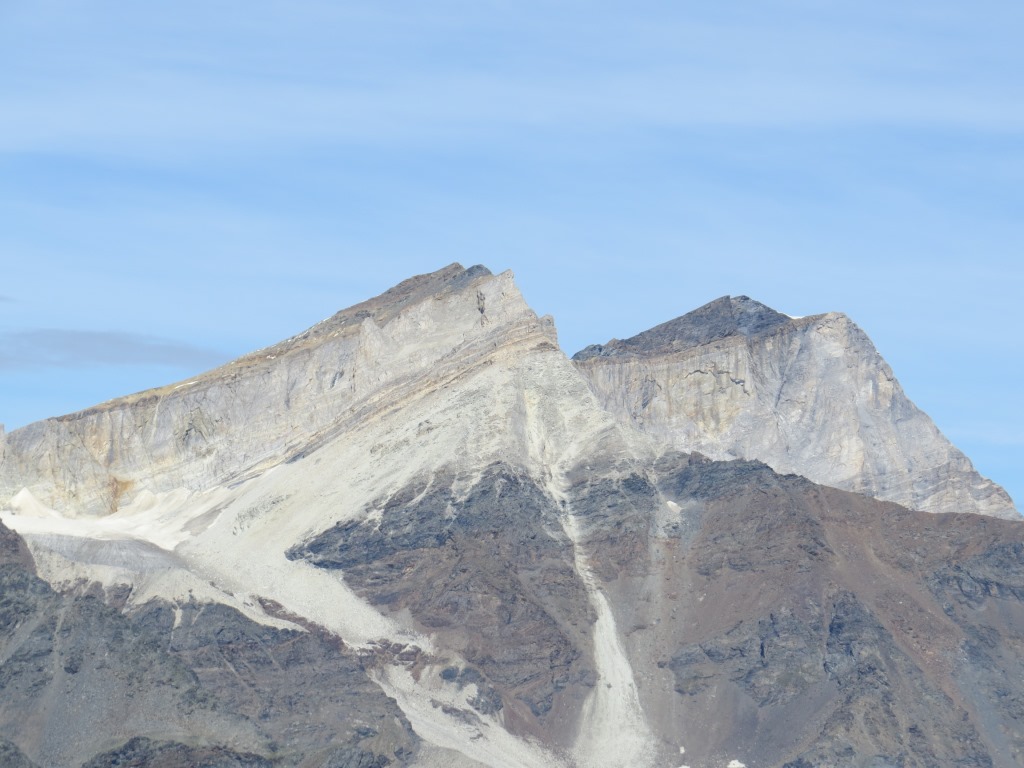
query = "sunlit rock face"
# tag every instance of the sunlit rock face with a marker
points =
(419, 535)
(810, 396)
(269, 406)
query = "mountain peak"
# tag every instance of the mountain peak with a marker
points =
(272, 404)
(718, 319)
(381, 309)
(810, 396)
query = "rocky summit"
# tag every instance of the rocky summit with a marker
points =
(417, 534)
(809, 395)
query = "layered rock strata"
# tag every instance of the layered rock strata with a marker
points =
(269, 406)
(811, 395)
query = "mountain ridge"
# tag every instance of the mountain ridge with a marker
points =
(499, 566)
(809, 395)
(718, 319)
(334, 367)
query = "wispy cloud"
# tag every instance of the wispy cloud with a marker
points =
(58, 348)
(377, 77)
(178, 115)
(6, 300)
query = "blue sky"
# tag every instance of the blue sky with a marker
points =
(182, 183)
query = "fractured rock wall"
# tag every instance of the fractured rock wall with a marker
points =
(809, 396)
(271, 405)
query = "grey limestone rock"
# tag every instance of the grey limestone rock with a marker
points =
(811, 396)
(270, 406)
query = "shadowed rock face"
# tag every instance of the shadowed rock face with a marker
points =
(784, 623)
(12, 757)
(487, 570)
(13, 551)
(144, 753)
(175, 685)
(766, 619)
(812, 396)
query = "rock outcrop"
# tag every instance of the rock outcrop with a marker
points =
(782, 623)
(78, 676)
(811, 395)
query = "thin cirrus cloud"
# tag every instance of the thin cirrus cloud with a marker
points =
(140, 93)
(58, 348)
(156, 113)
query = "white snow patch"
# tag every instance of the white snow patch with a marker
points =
(667, 517)
(735, 764)
(305, 590)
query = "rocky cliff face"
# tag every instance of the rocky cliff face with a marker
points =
(456, 556)
(269, 406)
(812, 396)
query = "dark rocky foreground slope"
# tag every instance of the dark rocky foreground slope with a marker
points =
(769, 620)
(801, 623)
(84, 683)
